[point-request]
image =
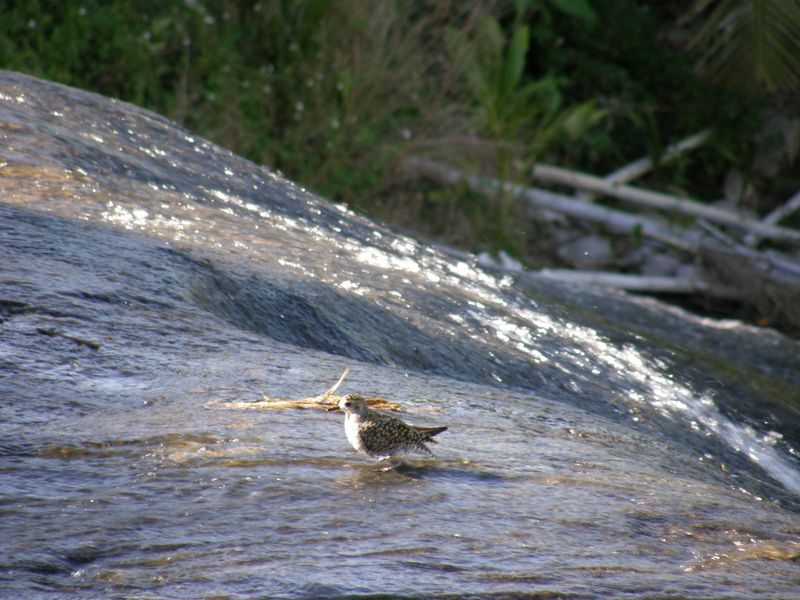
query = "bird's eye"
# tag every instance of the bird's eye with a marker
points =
(348, 403)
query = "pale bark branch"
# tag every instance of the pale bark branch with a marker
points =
(642, 283)
(614, 220)
(768, 261)
(784, 210)
(666, 202)
(730, 270)
(639, 167)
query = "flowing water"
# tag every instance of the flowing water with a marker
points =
(154, 286)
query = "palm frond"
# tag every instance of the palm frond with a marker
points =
(750, 42)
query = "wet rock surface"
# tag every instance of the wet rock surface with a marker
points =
(598, 443)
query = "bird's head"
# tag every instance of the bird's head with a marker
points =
(352, 404)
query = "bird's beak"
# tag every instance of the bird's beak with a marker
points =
(331, 408)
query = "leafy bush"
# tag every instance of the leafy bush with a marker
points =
(334, 92)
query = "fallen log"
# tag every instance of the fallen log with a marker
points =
(643, 283)
(771, 261)
(781, 212)
(661, 201)
(777, 289)
(614, 220)
(637, 168)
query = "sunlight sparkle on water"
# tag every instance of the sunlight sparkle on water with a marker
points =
(351, 286)
(18, 99)
(404, 246)
(661, 391)
(374, 257)
(139, 218)
(153, 151)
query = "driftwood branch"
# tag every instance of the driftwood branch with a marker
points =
(769, 261)
(323, 401)
(614, 220)
(643, 283)
(766, 280)
(784, 210)
(326, 395)
(658, 200)
(639, 167)
(775, 216)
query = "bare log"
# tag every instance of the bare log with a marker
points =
(784, 210)
(614, 220)
(769, 261)
(731, 270)
(658, 200)
(639, 167)
(769, 281)
(642, 283)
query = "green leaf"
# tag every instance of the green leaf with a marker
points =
(576, 8)
(746, 42)
(515, 60)
(581, 117)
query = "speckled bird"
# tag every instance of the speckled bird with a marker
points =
(382, 436)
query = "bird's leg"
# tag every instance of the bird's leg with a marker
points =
(393, 462)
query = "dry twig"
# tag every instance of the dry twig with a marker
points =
(322, 401)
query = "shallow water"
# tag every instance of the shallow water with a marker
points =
(597, 446)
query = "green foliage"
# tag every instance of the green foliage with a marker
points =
(525, 115)
(577, 8)
(76, 43)
(652, 94)
(333, 92)
(750, 42)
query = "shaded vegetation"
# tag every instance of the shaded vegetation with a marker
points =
(334, 92)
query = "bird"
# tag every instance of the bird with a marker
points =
(379, 435)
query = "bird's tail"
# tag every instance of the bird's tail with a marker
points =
(430, 431)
